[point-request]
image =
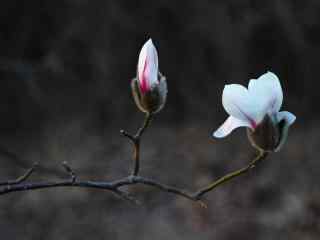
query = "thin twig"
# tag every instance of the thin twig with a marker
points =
(135, 139)
(22, 178)
(10, 188)
(146, 123)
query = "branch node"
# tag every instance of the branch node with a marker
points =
(128, 135)
(132, 178)
(69, 170)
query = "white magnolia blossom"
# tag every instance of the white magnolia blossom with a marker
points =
(148, 67)
(247, 107)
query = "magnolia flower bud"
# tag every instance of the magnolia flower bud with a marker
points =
(257, 108)
(149, 88)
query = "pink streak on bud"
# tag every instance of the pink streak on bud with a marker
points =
(144, 86)
(148, 67)
(251, 121)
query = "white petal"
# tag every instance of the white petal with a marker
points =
(289, 119)
(228, 126)
(148, 64)
(287, 116)
(239, 103)
(267, 89)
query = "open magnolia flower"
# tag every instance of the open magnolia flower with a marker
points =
(149, 88)
(257, 108)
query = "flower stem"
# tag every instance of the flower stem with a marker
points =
(261, 155)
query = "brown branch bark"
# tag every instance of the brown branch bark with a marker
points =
(135, 139)
(21, 184)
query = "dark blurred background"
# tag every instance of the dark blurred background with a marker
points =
(65, 69)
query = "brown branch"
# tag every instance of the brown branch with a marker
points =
(115, 186)
(135, 139)
(19, 184)
(22, 178)
(230, 176)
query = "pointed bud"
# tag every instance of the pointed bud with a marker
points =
(149, 88)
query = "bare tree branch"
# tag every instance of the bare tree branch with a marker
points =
(230, 176)
(22, 178)
(135, 139)
(21, 184)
